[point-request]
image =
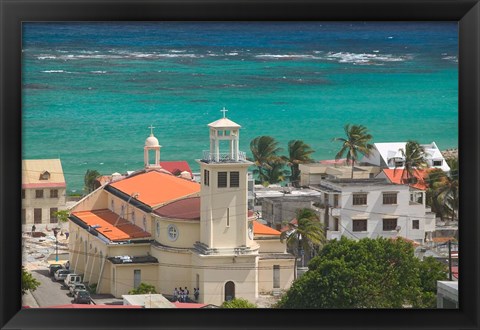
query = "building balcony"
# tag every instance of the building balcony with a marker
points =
(223, 157)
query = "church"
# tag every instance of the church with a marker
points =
(169, 231)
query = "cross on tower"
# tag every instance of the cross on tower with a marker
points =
(151, 130)
(224, 111)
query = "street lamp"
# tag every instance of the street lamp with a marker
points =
(55, 232)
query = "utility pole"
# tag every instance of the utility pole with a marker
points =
(55, 232)
(450, 260)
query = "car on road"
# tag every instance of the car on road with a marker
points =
(52, 268)
(82, 297)
(61, 274)
(72, 278)
(74, 287)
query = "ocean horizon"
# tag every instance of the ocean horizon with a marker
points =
(91, 90)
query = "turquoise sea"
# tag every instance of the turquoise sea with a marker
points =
(91, 90)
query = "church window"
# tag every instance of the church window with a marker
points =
(54, 193)
(222, 179)
(172, 232)
(145, 223)
(122, 212)
(206, 177)
(112, 205)
(39, 193)
(234, 179)
(276, 276)
(158, 228)
(228, 217)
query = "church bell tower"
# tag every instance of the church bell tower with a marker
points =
(224, 191)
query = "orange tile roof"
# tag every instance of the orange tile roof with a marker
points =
(156, 188)
(395, 176)
(105, 219)
(443, 239)
(260, 229)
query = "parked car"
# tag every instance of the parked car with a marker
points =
(52, 268)
(72, 278)
(61, 274)
(76, 287)
(82, 297)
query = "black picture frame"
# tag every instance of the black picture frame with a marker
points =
(14, 12)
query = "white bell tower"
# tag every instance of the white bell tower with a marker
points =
(224, 224)
(151, 143)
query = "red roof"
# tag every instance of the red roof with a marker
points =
(105, 220)
(262, 230)
(176, 166)
(187, 208)
(156, 188)
(395, 176)
(93, 306)
(45, 185)
(287, 227)
(188, 305)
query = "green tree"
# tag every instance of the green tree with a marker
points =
(298, 153)
(143, 288)
(62, 217)
(356, 141)
(369, 273)
(413, 159)
(238, 303)
(89, 180)
(265, 151)
(29, 283)
(275, 172)
(307, 235)
(430, 271)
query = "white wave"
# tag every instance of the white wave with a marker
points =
(232, 54)
(450, 58)
(98, 71)
(46, 57)
(177, 51)
(54, 71)
(288, 56)
(364, 58)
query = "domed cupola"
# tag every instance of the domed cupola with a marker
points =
(151, 144)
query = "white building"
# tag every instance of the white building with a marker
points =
(447, 294)
(388, 154)
(43, 192)
(359, 208)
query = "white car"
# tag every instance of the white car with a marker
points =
(72, 278)
(61, 274)
(74, 287)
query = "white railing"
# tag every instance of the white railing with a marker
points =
(223, 156)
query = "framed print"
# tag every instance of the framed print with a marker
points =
(240, 164)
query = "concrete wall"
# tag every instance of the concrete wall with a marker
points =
(265, 274)
(216, 271)
(188, 232)
(123, 279)
(174, 270)
(30, 202)
(269, 245)
(96, 200)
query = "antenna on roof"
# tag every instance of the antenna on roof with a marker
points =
(133, 195)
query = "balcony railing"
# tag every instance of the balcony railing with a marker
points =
(223, 157)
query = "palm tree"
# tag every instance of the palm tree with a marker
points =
(414, 158)
(89, 180)
(447, 190)
(264, 150)
(275, 172)
(306, 235)
(356, 142)
(298, 153)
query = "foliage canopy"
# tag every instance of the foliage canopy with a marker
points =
(369, 273)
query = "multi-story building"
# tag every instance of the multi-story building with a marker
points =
(359, 208)
(43, 192)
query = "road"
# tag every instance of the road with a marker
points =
(49, 292)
